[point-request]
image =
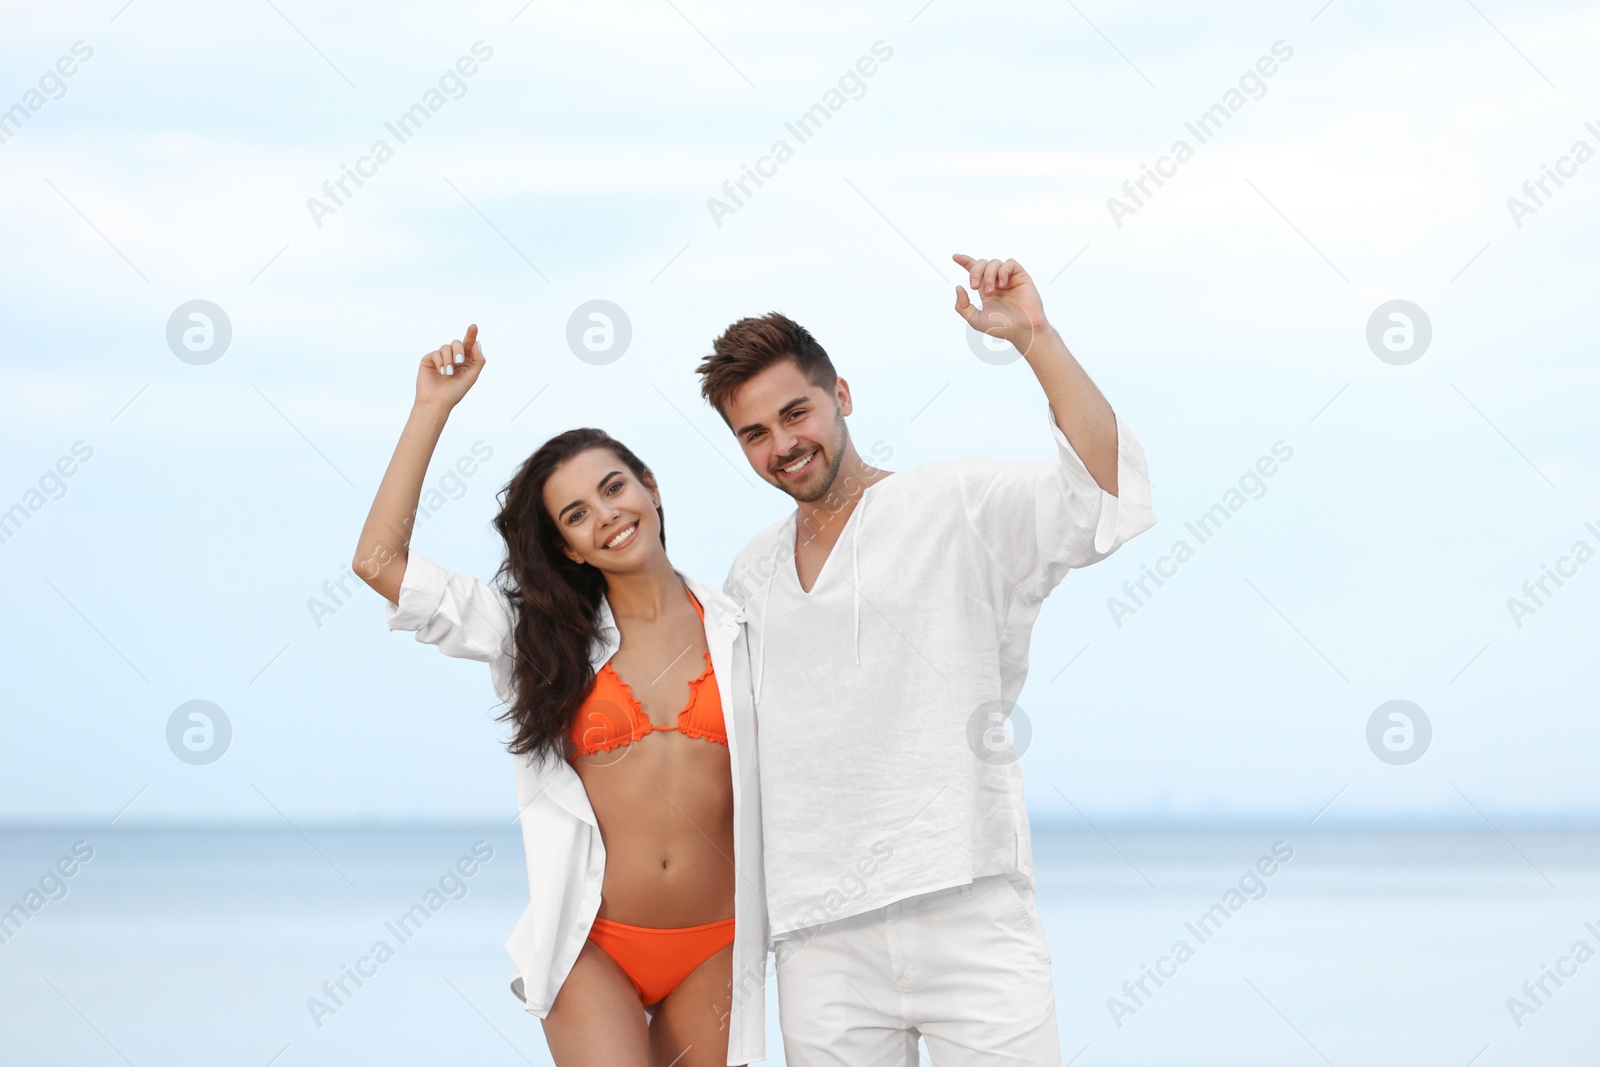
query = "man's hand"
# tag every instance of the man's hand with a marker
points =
(1011, 307)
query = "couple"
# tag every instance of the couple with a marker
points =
(879, 633)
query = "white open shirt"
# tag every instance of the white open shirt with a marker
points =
(468, 618)
(869, 688)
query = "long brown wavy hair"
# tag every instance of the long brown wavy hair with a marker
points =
(556, 602)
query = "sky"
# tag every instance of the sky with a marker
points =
(1234, 315)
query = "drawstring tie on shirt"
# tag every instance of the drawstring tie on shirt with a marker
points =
(855, 570)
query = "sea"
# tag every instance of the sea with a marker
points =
(1210, 944)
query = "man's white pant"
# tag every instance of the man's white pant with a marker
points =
(965, 968)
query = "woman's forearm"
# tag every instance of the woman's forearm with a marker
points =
(380, 558)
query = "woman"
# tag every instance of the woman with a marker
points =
(644, 941)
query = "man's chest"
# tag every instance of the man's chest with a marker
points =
(810, 556)
(895, 576)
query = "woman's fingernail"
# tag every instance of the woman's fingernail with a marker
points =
(450, 369)
(460, 357)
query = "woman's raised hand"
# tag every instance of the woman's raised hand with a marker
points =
(448, 372)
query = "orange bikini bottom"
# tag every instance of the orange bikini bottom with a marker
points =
(657, 960)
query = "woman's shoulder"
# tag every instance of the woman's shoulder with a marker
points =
(717, 610)
(714, 603)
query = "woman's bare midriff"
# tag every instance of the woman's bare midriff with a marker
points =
(665, 808)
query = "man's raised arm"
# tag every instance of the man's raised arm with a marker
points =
(1013, 311)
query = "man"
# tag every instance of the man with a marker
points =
(890, 617)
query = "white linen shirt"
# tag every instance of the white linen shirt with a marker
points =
(874, 691)
(468, 618)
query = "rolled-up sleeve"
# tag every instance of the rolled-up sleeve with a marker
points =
(459, 614)
(1114, 519)
(1039, 520)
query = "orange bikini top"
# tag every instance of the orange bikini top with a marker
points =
(610, 717)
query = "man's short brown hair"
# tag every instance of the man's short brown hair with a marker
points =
(750, 346)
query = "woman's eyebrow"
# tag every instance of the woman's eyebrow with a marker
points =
(575, 503)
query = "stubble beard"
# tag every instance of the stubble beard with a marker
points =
(836, 449)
